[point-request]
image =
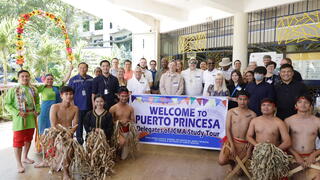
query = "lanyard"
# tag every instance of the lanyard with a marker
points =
(104, 81)
(235, 89)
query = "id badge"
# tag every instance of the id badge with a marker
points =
(106, 91)
(83, 93)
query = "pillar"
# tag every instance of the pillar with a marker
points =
(240, 38)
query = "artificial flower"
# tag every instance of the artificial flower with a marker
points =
(19, 30)
(26, 17)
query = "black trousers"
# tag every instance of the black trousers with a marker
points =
(79, 134)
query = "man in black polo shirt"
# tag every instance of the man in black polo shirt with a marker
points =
(296, 75)
(287, 90)
(259, 89)
(106, 85)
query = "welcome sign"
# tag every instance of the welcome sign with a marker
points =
(197, 122)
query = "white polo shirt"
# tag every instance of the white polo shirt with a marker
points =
(209, 78)
(138, 86)
(147, 74)
(193, 82)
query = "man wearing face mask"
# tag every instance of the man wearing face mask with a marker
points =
(259, 89)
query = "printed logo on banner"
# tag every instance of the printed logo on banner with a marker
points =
(180, 120)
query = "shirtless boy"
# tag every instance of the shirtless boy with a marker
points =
(123, 113)
(304, 128)
(267, 128)
(65, 114)
(238, 120)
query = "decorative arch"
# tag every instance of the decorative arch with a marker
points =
(24, 18)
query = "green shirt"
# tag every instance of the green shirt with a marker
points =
(47, 94)
(12, 106)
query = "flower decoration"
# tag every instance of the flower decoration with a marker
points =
(24, 18)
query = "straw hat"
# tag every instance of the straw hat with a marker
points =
(225, 62)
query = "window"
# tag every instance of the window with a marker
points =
(86, 26)
(98, 25)
(98, 42)
(110, 25)
(111, 40)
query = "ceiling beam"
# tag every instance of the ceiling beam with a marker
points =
(253, 5)
(152, 8)
(230, 6)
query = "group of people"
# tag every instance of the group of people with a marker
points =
(295, 135)
(282, 84)
(99, 102)
(86, 102)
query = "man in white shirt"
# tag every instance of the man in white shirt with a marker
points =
(138, 84)
(225, 64)
(209, 75)
(193, 79)
(145, 72)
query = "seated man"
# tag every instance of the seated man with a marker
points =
(65, 114)
(238, 120)
(123, 117)
(304, 128)
(267, 128)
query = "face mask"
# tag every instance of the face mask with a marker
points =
(258, 77)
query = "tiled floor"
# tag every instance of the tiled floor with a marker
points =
(152, 162)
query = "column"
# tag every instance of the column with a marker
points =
(240, 38)
(156, 30)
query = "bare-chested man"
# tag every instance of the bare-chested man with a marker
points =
(123, 113)
(65, 114)
(304, 129)
(238, 120)
(267, 128)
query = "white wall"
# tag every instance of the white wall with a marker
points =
(143, 45)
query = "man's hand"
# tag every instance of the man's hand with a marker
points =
(311, 159)
(233, 151)
(35, 114)
(121, 140)
(23, 114)
(74, 128)
(71, 66)
(300, 161)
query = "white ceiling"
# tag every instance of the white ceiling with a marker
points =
(142, 15)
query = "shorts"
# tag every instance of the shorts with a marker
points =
(241, 147)
(20, 137)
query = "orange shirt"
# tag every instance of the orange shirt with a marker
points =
(128, 75)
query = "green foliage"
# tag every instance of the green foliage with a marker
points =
(44, 41)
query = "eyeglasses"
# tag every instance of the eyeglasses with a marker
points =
(210, 63)
(193, 62)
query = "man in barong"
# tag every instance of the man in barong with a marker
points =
(22, 102)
